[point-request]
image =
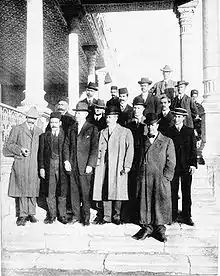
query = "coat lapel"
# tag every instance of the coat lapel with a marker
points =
(27, 130)
(105, 134)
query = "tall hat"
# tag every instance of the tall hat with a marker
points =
(81, 106)
(64, 99)
(166, 68)
(194, 92)
(114, 87)
(151, 118)
(32, 113)
(112, 110)
(180, 111)
(99, 104)
(92, 86)
(55, 114)
(181, 82)
(138, 101)
(123, 90)
(145, 80)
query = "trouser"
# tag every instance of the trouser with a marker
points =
(52, 200)
(80, 193)
(26, 206)
(186, 181)
(112, 209)
(161, 229)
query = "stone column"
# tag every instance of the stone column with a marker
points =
(211, 75)
(91, 54)
(101, 73)
(185, 14)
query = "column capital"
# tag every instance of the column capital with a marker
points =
(73, 14)
(90, 50)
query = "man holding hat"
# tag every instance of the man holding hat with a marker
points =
(184, 101)
(186, 162)
(80, 157)
(115, 97)
(151, 102)
(115, 156)
(166, 86)
(54, 179)
(98, 118)
(126, 111)
(157, 164)
(22, 144)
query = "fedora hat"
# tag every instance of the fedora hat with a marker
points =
(113, 87)
(112, 110)
(32, 113)
(81, 106)
(180, 111)
(151, 118)
(145, 80)
(92, 86)
(99, 104)
(166, 68)
(123, 90)
(55, 114)
(64, 99)
(181, 82)
(194, 92)
(138, 101)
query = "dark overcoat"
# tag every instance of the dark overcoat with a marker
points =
(126, 115)
(113, 101)
(44, 156)
(24, 180)
(100, 124)
(151, 104)
(156, 171)
(165, 123)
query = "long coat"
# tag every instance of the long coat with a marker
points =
(24, 180)
(120, 151)
(165, 123)
(126, 115)
(44, 156)
(156, 171)
(151, 104)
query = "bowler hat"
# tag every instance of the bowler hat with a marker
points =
(64, 99)
(114, 87)
(99, 104)
(180, 111)
(151, 118)
(194, 92)
(123, 90)
(55, 114)
(112, 110)
(145, 80)
(32, 113)
(181, 82)
(81, 106)
(92, 86)
(138, 101)
(166, 68)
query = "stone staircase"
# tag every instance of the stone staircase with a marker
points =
(57, 249)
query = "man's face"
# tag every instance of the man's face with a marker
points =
(181, 89)
(114, 93)
(31, 121)
(123, 98)
(166, 75)
(90, 93)
(152, 128)
(194, 97)
(98, 111)
(111, 120)
(144, 87)
(178, 119)
(62, 107)
(138, 110)
(165, 104)
(80, 116)
(55, 123)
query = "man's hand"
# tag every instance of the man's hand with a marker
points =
(67, 166)
(88, 169)
(124, 171)
(192, 169)
(42, 173)
(25, 152)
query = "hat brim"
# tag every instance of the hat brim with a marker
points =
(92, 88)
(186, 83)
(82, 109)
(112, 113)
(166, 70)
(151, 122)
(98, 106)
(179, 113)
(142, 82)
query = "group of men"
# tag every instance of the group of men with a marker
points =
(125, 161)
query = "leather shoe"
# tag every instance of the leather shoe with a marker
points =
(73, 220)
(21, 221)
(105, 222)
(63, 220)
(117, 221)
(141, 234)
(159, 236)
(188, 221)
(32, 219)
(97, 220)
(86, 223)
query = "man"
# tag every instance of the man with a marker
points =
(24, 183)
(91, 88)
(98, 118)
(157, 166)
(166, 116)
(80, 157)
(115, 156)
(55, 182)
(199, 127)
(126, 113)
(186, 164)
(151, 102)
(130, 210)
(166, 86)
(114, 97)
(184, 101)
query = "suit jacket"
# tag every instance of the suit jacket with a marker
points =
(100, 124)
(126, 115)
(160, 88)
(152, 103)
(165, 122)
(185, 147)
(81, 149)
(115, 102)
(44, 156)
(187, 103)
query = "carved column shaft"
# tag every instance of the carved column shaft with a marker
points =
(91, 54)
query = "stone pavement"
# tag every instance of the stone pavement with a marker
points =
(57, 249)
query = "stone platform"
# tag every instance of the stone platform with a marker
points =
(57, 249)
